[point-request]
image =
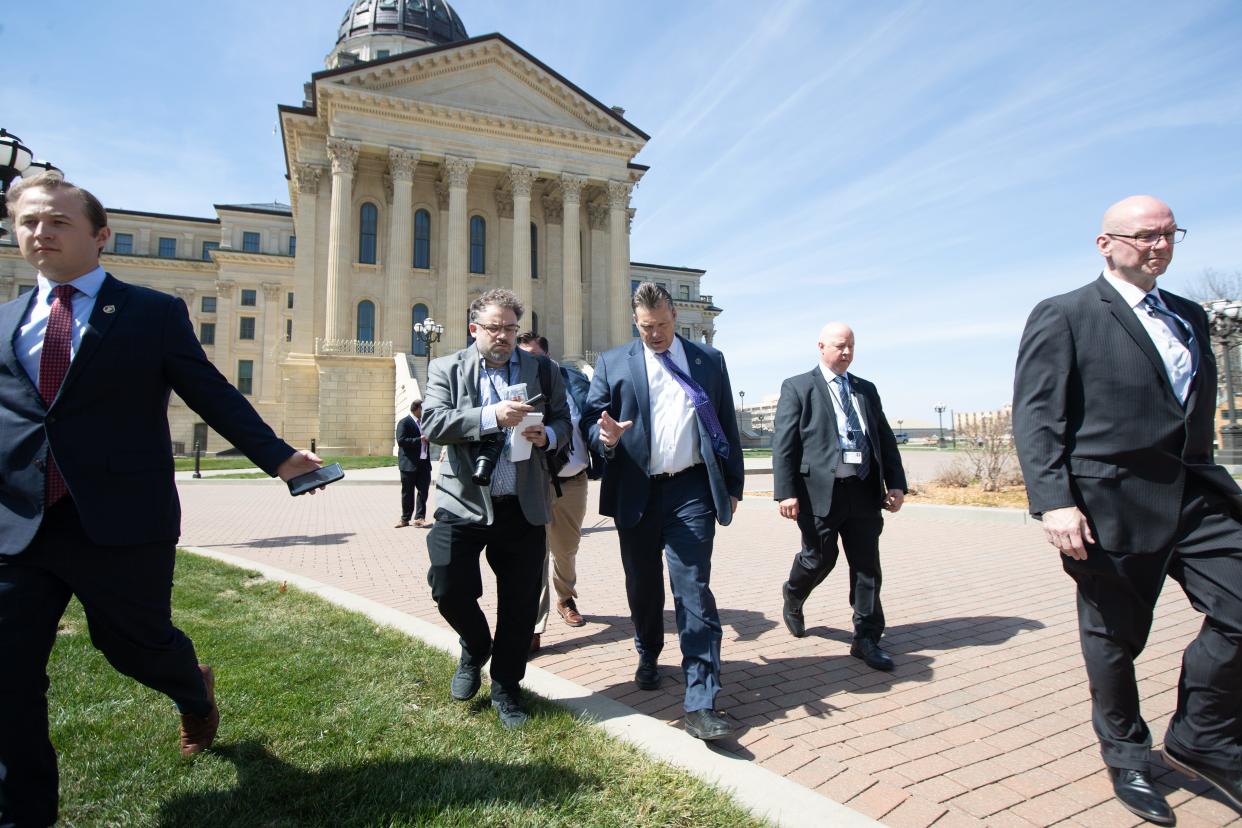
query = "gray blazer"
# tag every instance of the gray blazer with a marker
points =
(452, 417)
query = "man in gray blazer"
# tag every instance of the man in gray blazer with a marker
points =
(1114, 405)
(467, 406)
(835, 466)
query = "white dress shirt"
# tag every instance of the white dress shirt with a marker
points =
(674, 423)
(422, 441)
(1178, 363)
(843, 469)
(29, 343)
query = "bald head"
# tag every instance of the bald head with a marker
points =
(836, 347)
(1140, 260)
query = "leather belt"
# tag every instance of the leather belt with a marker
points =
(671, 475)
(501, 499)
(574, 476)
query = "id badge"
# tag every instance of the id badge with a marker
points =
(853, 458)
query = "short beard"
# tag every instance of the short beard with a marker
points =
(495, 356)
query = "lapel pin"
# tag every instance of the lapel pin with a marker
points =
(698, 361)
(109, 308)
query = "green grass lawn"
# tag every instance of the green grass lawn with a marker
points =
(328, 719)
(187, 463)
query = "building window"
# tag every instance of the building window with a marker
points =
(534, 323)
(207, 304)
(683, 292)
(534, 251)
(293, 245)
(380, 54)
(417, 346)
(366, 321)
(245, 376)
(289, 300)
(207, 333)
(288, 330)
(250, 242)
(422, 239)
(209, 246)
(124, 243)
(249, 298)
(478, 244)
(246, 329)
(685, 332)
(368, 221)
(634, 283)
(168, 248)
(23, 289)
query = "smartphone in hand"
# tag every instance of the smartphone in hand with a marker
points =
(304, 483)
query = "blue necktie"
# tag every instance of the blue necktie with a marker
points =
(1179, 327)
(854, 435)
(702, 405)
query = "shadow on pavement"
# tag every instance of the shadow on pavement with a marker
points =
(329, 539)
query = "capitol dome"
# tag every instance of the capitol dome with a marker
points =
(430, 22)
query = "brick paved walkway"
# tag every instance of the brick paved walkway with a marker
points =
(984, 721)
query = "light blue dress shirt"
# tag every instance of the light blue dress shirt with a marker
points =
(29, 342)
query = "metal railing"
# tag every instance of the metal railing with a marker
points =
(352, 347)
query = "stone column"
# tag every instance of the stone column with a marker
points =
(618, 260)
(225, 330)
(401, 164)
(269, 376)
(344, 154)
(458, 249)
(306, 177)
(601, 322)
(521, 180)
(571, 267)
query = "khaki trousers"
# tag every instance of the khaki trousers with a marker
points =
(564, 534)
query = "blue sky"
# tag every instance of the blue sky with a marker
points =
(925, 171)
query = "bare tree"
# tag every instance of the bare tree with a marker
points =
(1213, 284)
(987, 442)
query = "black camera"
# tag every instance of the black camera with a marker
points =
(485, 463)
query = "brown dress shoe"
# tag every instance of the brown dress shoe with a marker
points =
(568, 610)
(198, 732)
(419, 523)
(402, 524)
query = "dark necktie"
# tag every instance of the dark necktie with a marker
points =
(1179, 327)
(854, 434)
(702, 405)
(53, 365)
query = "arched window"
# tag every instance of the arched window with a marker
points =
(417, 346)
(422, 239)
(478, 244)
(366, 321)
(534, 320)
(368, 221)
(534, 251)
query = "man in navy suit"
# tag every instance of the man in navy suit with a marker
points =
(661, 412)
(414, 465)
(88, 506)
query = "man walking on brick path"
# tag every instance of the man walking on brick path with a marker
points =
(1113, 416)
(660, 410)
(835, 465)
(414, 465)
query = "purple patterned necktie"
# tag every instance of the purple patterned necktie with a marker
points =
(702, 405)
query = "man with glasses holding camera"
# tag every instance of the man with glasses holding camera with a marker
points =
(487, 500)
(1113, 417)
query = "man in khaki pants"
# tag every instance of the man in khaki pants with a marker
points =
(568, 510)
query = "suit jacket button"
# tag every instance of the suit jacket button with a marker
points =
(40, 465)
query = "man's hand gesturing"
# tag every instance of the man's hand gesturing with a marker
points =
(610, 430)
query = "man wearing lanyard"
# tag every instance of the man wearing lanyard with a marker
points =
(468, 405)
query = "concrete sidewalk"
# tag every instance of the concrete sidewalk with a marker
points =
(984, 722)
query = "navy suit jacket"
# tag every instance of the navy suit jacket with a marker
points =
(578, 386)
(410, 443)
(108, 426)
(620, 388)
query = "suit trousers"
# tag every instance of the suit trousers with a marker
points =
(678, 525)
(855, 518)
(127, 595)
(564, 537)
(515, 551)
(1117, 595)
(418, 480)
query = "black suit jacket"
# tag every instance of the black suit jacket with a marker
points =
(806, 448)
(409, 441)
(108, 426)
(1097, 424)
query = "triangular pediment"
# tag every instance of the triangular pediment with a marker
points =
(486, 76)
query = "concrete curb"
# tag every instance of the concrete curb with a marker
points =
(764, 793)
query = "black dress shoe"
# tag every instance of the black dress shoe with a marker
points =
(1134, 790)
(509, 707)
(1228, 782)
(872, 655)
(466, 680)
(792, 613)
(707, 725)
(647, 676)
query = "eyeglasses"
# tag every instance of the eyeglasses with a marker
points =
(1150, 239)
(497, 330)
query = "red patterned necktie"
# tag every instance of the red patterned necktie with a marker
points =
(53, 365)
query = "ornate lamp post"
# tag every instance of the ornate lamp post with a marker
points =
(741, 396)
(1225, 320)
(428, 332)
(16, 159)
(940, 408)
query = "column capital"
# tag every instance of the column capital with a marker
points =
(271, 291)
(571, 188)
(344, 155)
(402, 163)
(553, 208)
(224, 288)
(458, 170)
(597, 216)
(521, 180)
(619, 194)
(306, 177)
(184, 293)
